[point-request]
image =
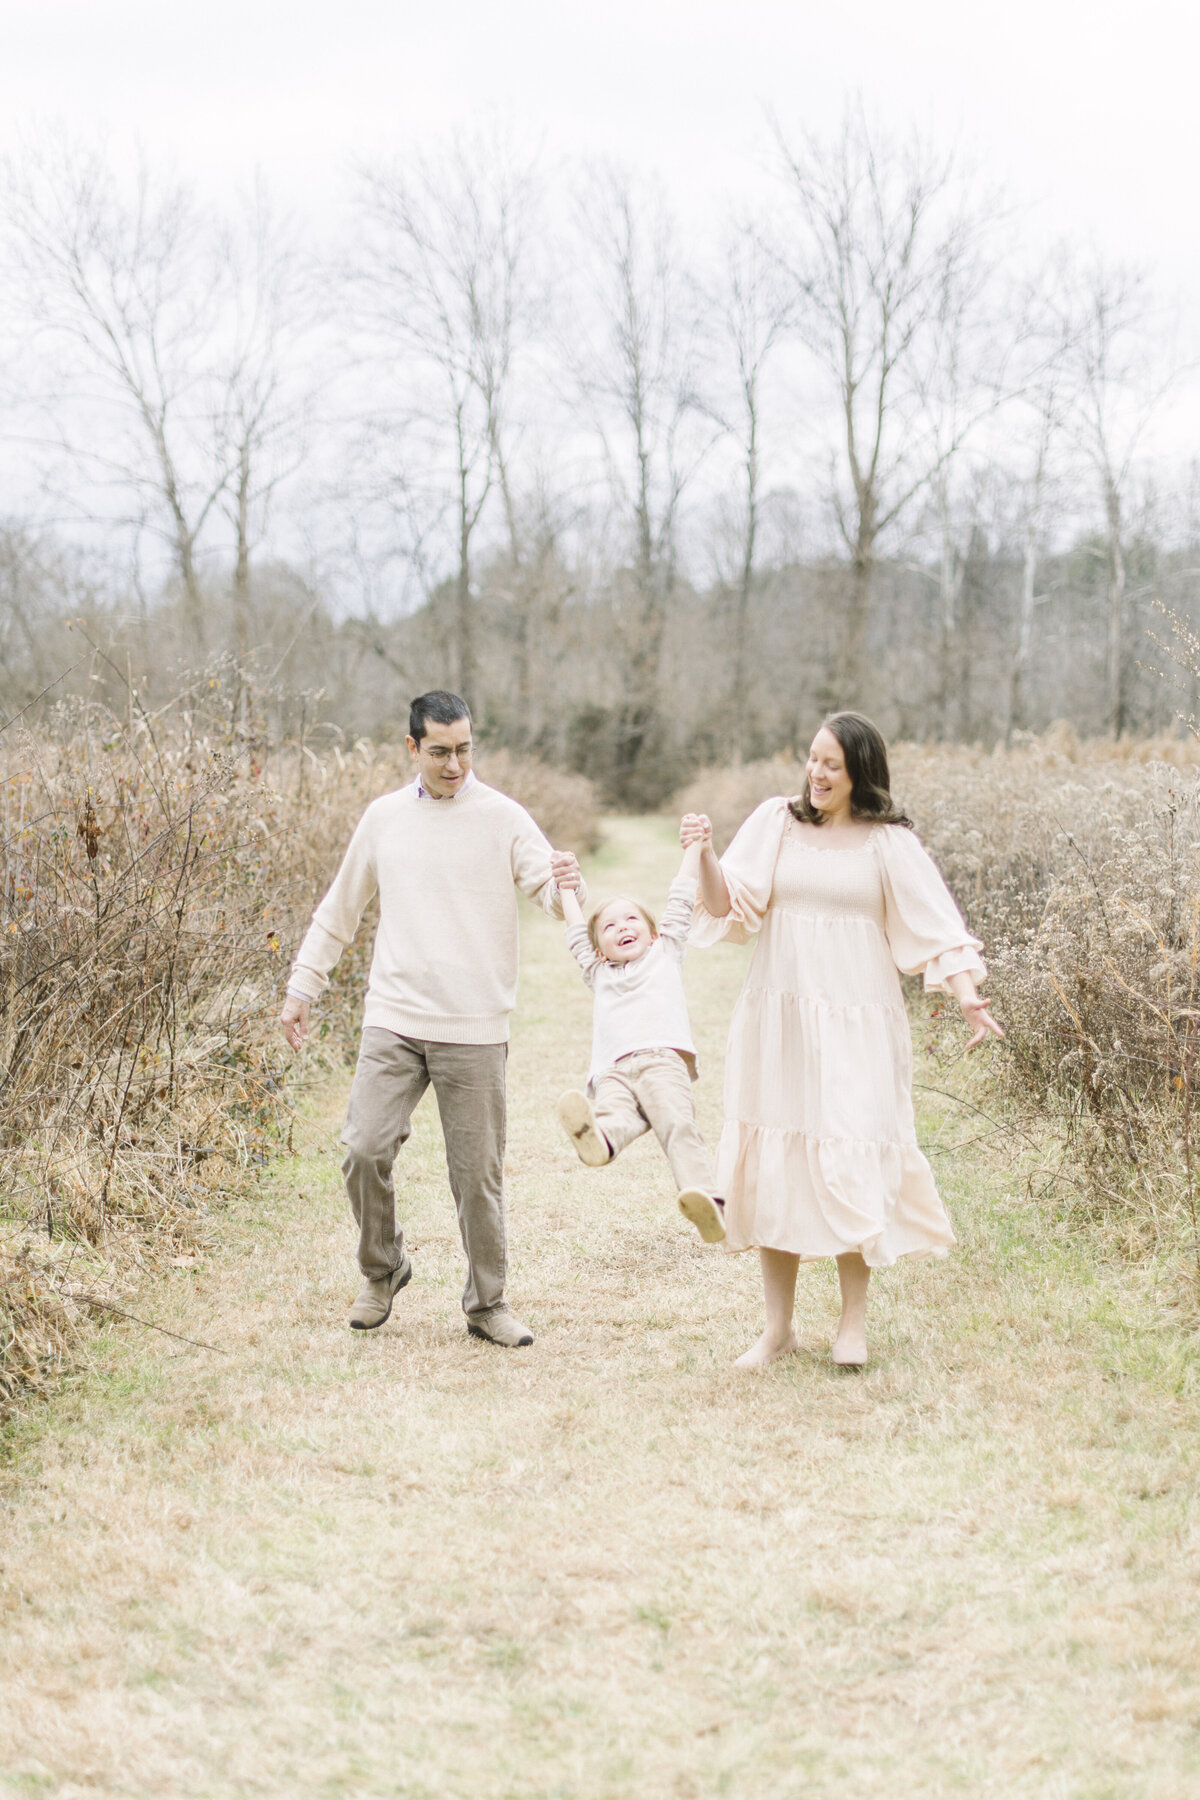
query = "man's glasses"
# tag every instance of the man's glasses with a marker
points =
(442, 753)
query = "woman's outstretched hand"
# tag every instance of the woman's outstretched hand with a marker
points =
(695, 828)
(976, 1011)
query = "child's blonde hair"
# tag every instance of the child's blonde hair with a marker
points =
(594, 917)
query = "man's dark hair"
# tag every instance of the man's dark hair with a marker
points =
(866, 756)
(436, 708)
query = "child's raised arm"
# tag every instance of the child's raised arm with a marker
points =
(689, 868)
(578, 942)
(696, 828)
(568, 887)
(676, 920)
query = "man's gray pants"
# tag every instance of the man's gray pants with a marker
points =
(468, 1080)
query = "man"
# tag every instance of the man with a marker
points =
(446, 856)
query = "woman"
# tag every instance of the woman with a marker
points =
(819, 1153)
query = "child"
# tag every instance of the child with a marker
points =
(643, 1058)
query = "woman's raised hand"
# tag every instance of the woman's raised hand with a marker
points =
(695, 828)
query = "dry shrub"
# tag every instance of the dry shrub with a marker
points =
(1080, 870)
(150, 885)
(36, 1326)
(1083, 880)
(156, 880)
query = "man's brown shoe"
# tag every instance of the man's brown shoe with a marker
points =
(577, 1117)
(501, 1327)
(374, 1303)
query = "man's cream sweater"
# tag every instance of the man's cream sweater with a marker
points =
(446, 951)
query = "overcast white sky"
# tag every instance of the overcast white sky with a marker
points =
(1084, 114)
(1087, 111)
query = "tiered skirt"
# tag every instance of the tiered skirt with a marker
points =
(819, 1154)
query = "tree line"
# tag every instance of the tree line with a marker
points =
(648, 497)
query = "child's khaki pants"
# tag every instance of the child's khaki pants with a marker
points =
(652, 1091)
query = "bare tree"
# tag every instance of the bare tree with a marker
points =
(636, 374)
(956, 514)
(1117, 377)
(263, 404)
(532, 583)
(966, 376)
(121, 295)
(444, 291)
(883, 257)
(752, 315)
(1033, 540)
(1042, 400)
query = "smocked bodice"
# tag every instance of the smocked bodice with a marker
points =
(827, 883)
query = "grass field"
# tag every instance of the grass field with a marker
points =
(308, 1564)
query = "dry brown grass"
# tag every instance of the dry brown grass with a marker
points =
(608, 1568)
(157, 874)
(36, 1327)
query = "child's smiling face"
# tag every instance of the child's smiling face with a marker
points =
(623, 932)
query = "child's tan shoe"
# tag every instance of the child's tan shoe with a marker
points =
(577, 1117)
(701, 1210)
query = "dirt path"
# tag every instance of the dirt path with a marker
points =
(315, 1565)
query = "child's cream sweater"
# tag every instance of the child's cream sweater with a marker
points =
(447, 872)
(640, 1005)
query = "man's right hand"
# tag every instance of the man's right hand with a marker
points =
(695, 828)
(564, 868)
(294, 1020)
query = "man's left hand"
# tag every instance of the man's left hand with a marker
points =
(294, 1020)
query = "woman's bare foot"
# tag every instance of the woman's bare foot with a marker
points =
(850, 1346)
(767, 1350)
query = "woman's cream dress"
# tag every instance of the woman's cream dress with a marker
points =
(819, 1151)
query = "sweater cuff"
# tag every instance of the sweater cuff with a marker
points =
(306, 984)
(963, 960)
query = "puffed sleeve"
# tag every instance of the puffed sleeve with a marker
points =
(924, 926)
(749, 869)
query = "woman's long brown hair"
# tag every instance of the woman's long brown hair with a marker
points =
(867, 766)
